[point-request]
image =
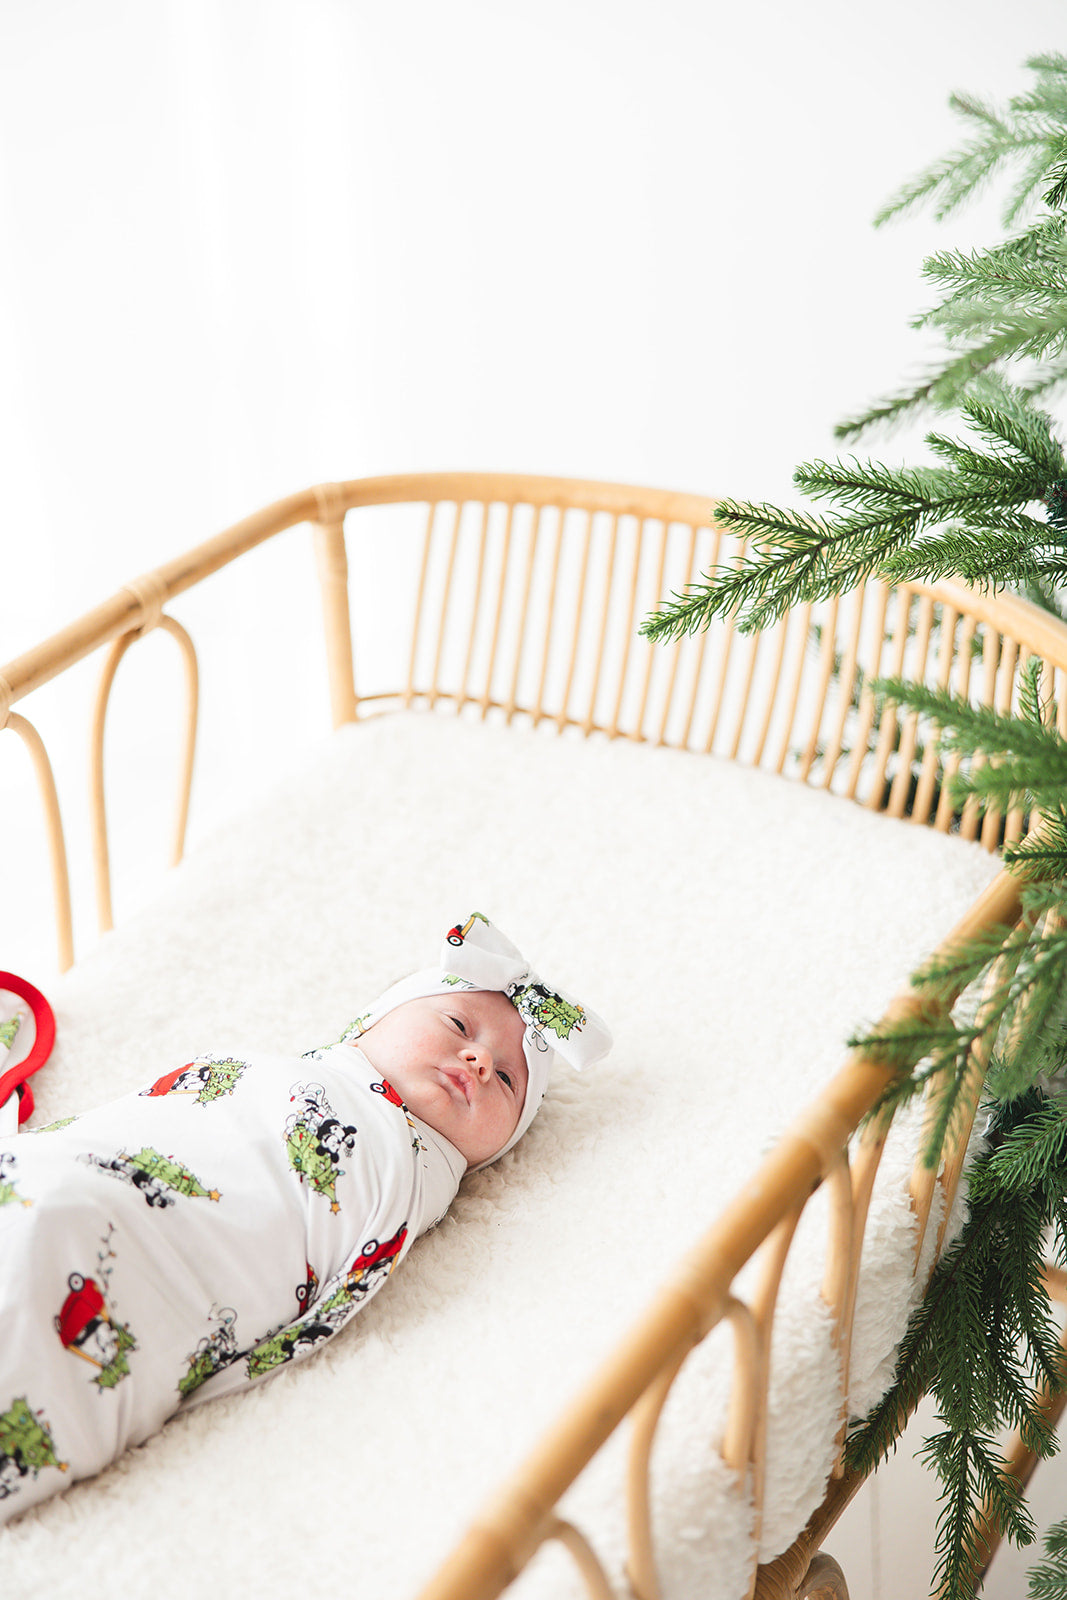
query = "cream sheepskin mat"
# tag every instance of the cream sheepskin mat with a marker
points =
(732, 927)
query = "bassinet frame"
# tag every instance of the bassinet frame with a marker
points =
(760, 700)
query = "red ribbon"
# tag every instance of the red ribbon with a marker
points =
(45, 1037)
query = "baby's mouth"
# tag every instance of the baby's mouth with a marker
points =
(460, 1081)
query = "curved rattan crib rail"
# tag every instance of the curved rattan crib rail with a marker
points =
(521, 598)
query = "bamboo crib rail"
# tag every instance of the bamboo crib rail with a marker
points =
(525, 597)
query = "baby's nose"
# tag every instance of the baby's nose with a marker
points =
(478, 1059)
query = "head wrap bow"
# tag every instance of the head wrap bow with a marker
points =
(476, 955)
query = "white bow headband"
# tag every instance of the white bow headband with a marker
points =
(476, 955)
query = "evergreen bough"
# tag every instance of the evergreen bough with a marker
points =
(990, 507)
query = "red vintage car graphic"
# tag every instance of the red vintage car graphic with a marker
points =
(457, 934)
(166, 1083)
(386, 1088)
(373, 1253)
(83, 1305)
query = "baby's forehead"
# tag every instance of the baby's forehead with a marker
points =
(492, 1010)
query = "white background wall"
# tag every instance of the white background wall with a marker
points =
(251, 244)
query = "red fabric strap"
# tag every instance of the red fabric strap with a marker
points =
(45, 1025)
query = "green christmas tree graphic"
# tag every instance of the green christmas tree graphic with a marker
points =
(24, 1437)
(171, 1173)
(221, 1080)
(312, 1163)
(9, 1194)
(549, 1010)
(118, 1367)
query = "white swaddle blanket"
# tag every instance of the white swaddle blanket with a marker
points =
(190, 1238)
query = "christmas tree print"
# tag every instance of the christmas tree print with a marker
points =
(545, 1009)
(215, 1351)
(206, 1078)
(315, 1140)
(8, 1031)
(118, 1368)
(340, 1296)
(157, 1176)
(53, 1127)
(8, 1193)
(26, 1446)
(222, 1079)
(168, 1171)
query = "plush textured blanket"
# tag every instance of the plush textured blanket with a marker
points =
(731, 927)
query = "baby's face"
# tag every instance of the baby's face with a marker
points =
(457, 1062)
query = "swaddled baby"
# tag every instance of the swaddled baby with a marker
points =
(192, 1238)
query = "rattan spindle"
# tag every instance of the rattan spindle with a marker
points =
(476, 607)
(446, 597)
(628, 632)
(192, 693)
(97, 802)
(924, 790)
(740, 1434)
(652, 651)
(698, 667)
(520, 632)
(838, 1271)
(772, 1259)
(846, 682)
(331, 559)
(971, 813)
(871, 1146)
(888, 723)
(865, 718)
(644, 1419)
(945, 803)
(501, 589)
(589, 722)
(576, 632)
(586, 1560)
(550, 620)
(1005, 686)
(728, 630)
(1015, 820)
(826, 668)
(420, 600)
(803, 616)
(676, 647)
(909, 730)
(781, 632)
(745, 697)
(57, 846)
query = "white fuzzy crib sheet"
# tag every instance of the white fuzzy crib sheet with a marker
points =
(732, 928)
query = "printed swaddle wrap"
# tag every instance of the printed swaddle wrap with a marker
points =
(198, 1234)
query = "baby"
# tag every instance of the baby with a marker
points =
(190, 1239)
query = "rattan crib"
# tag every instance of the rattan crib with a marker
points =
(526, 597)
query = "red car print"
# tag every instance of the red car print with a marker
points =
(374, 1254)
(386, 1088)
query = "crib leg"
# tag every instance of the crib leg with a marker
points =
(823, 1580)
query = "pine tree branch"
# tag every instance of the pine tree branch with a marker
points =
(1048, 1580)
(1008, 272)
